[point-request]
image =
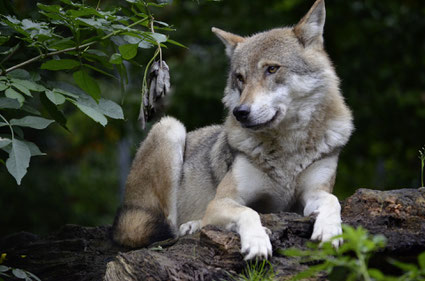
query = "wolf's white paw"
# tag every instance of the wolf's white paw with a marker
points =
(327, 227)
(255, 244)
(189, 227)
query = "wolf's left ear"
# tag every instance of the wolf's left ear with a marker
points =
(230, 40)
(310, 28)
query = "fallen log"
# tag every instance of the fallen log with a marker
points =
(88, 254)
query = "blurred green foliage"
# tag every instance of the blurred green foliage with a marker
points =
(378, 48)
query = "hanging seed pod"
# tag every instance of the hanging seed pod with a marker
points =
(159, 81)
(158, 85)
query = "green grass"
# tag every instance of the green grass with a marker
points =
(256, 271)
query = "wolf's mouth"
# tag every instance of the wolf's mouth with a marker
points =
(260, 125)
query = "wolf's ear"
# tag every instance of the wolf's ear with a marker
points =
(230, 40)
(310, 28)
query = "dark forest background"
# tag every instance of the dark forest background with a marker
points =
(378, 48)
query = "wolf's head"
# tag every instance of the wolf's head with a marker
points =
(278, 74)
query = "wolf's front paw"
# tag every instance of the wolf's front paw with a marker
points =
(327, 227)
(189, 227)
(255, 244)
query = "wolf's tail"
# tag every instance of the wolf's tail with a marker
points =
(138, 227)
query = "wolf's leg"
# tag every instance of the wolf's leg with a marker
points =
(149, 211)
(227, 210)
(315, 186)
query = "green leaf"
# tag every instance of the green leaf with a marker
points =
(116, 59)
(61, 64)
(19, 273)
(65, 93)
(3, 86)
(18, 131)
(34, 150)
(18, 161)
(4, 268)
(158, 5)
(53, 111)
(22, 89)
(9, 103)
(176, 43)
(49, 8)
(145, 44)
(87, 83)
(132, 38)
(96, 52)
(30, 109)
(4, 39)
(159, 38)
(92, 113)
(376, 274)
(29, 85)
(19, 73)
(111, 109)
(53, 16)
(33, 276)
(403, 266)
(4, 142)
(161, 23)
(421, 260)
(55, 97)
(12, 94)
(32, 122)
(96, 23)
(62, 44)
(128, 51)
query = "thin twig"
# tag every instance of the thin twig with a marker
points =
(98, 4)
(159, 45)
(11, 54)
(8, 124)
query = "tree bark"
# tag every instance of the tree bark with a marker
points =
(88, 253)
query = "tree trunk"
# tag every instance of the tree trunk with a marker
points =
(87, 253)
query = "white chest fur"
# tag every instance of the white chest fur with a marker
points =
(255, 187)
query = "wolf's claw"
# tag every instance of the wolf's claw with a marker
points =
(189, 227)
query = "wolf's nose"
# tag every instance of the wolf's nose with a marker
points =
(241, 112)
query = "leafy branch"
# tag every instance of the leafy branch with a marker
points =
(77, 40)
(76, 48)
(352, 259)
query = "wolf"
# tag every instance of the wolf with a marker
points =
(276, 151)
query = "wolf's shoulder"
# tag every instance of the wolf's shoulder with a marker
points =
(202, 140)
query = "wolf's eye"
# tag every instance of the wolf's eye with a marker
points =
(272, 69)
(239, 77)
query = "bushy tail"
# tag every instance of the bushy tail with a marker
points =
(138, 227)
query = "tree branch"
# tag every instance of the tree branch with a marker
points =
(69, 49)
